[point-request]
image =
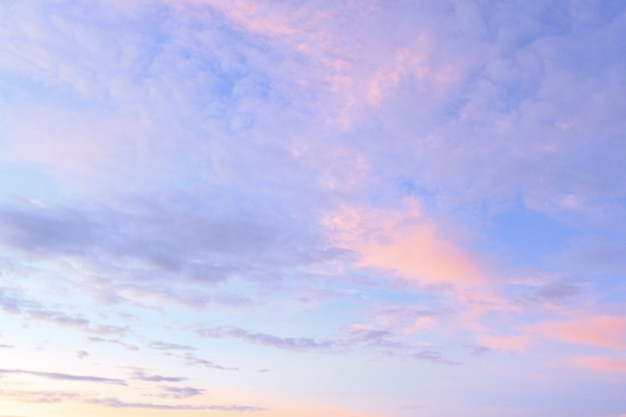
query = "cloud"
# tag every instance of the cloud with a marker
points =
(59, 318)
(601, 364)
(38, 397)
(115, 403)
(179, 393)
(369, 337)
(476, 350)
(168, 346)
(515, 342)
(433, 354)
(50, 397)
(11, 304)
(264, 339)
(553, 294)
(402, 241)
(599, 330)
(140, 375)
(356, 336)
(113, 341)
(193, 360)
(65, 377)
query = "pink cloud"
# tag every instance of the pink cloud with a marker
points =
(404, 242)
(251, 15)
(601, 364)
(605, 331)
(514, 342)
(405, 63)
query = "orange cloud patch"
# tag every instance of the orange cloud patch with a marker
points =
(401, 241)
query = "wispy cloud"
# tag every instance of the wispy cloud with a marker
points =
(193, 360)
(115, 403)
(265, 339)
(179, 393)
(65, 377)
(141, 375)
(159, 345)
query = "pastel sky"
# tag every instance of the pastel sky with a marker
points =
(310, 208)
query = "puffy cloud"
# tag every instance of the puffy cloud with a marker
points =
(403, 242)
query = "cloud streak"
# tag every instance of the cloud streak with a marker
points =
(65, 377)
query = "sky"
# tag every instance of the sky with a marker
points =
(305, 208)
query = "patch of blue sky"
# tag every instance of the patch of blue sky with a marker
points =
(528, 236)
(27, 183)
(376, 287)
(22, 92)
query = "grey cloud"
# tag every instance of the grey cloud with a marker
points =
(265, 339)
(398, 311)
(180, 393)
(373, 337)
(557, 290)
(65, 377)
(64, 230)
(477, 350)
(140, 375)
(433, 354)
(112, 341)
(33, 310)
(59, 318)
(107, 329)
(353, 338)
(49, 397)
(115, 403)
(231, 239)
(552, 293)
(168, 346)
(193, 360)
(38, 397)
(12, 304)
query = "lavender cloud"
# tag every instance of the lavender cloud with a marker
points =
(265, 339)
(193, 360)
(141, 375)
(159, 345)
(65, 377)
(179, 393)
(115, 403)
